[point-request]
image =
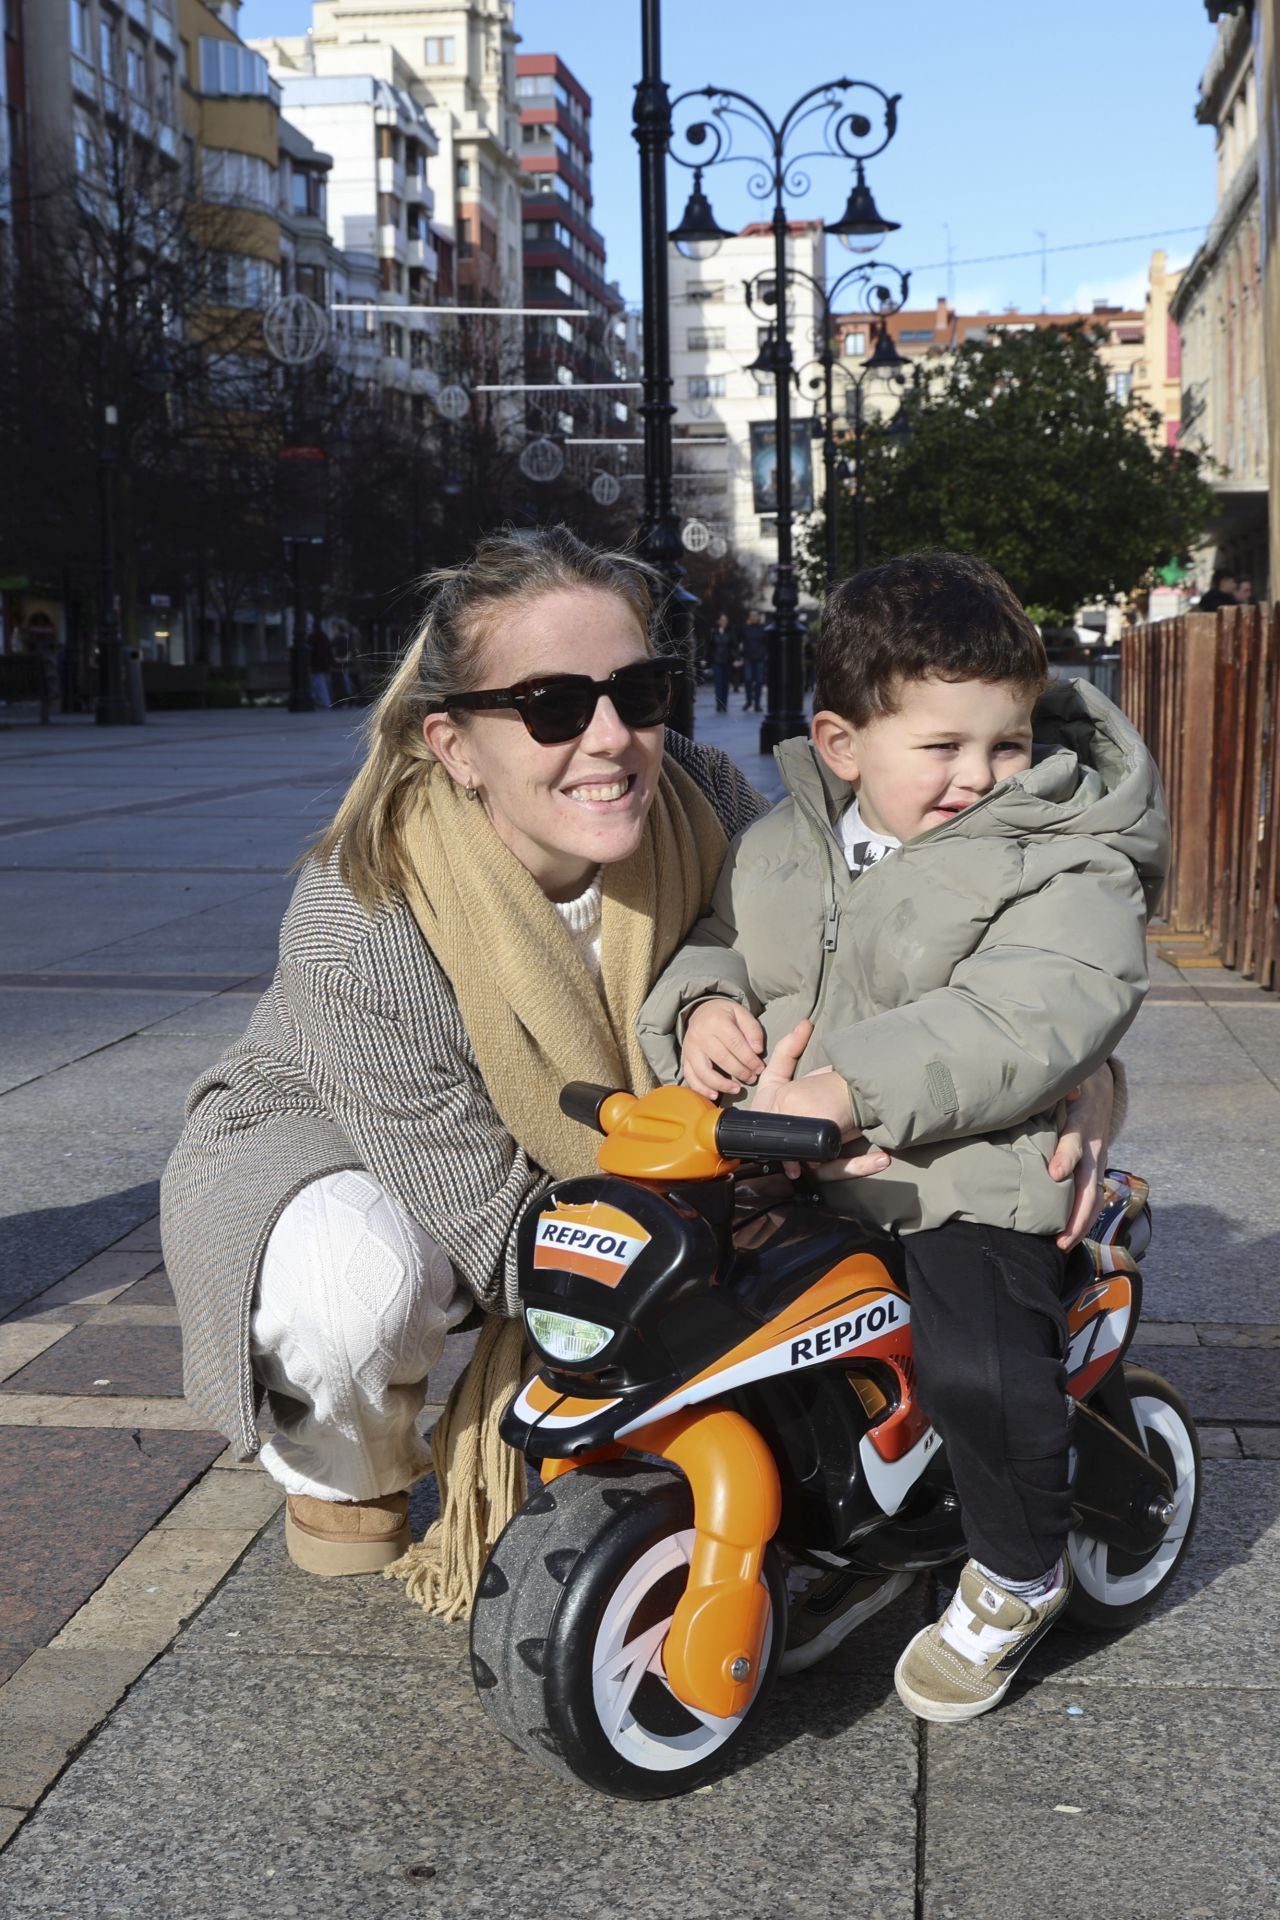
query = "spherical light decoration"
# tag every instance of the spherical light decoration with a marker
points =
(605, 489)
(696, 535)
(453, 402)
(542, 461)
(717, 547)
(295, 329)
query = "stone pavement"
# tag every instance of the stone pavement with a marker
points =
(188, 1726)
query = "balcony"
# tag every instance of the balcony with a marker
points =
(162, 28)
(391, 177)
(421, 253)
(138, 12)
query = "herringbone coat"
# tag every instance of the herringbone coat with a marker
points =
(356, 1056)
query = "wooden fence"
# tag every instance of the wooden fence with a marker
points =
(1204, 692)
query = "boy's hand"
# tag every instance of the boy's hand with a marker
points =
(1081, 1152)
(821, 1095)
(721, 1040)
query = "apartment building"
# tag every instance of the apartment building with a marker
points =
(355, 103)
(564, 257)
(96, 70)
(1218, 309)
(13, 127)
(724, 419)
(346, 285)
(458, 62)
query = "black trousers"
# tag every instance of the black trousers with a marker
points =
(989, 1334)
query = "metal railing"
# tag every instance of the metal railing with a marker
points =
(1204, 692)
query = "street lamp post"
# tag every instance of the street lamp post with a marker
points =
(111, 708)
(843, 132)
(878, 295)
(659, 538)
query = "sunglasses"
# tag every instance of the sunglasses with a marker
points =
(556, 707)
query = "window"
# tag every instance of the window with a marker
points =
(231, 175)
(136, 66)
(164, 91)
(393, 342)
(80, 40)
(438, 50)
(706, 386)
(704, 290)
(241, 280)
(855, 344)
(109, 48)
(388, 210)
(85, 156)
(228, 68)
(462, 173)
(705, 339)
(1121, 384)
(916, 337)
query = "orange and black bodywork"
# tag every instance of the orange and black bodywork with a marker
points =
(767, 1355)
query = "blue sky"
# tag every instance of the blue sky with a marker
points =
(1015, 119)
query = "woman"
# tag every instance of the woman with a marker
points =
(519, 855)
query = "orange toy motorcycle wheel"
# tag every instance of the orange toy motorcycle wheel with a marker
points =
(568, 1628)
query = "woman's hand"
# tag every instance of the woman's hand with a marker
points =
(721, 1039)
(1081, 1152)
(821, 1095)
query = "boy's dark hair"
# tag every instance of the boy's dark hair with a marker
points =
(941, 616)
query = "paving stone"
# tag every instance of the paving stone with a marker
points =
(97, 1359)
(1165, 1333)
(1218, 1383)
(20, 1344)
(1219, 1443)
(102, 1410)
(228, 1500)
(72, 1504)
(49, 1707)
(397, 1756)
(154, 1291)
(11, 1818)
(146, 1599)
(1259, 1443)
(99, 1280)
(119, 1314)
(1111, 1812)
(1214, 1335)
(146, 1236)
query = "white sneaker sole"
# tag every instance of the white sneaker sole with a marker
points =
(795, 1660)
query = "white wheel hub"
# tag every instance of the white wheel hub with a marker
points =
(1090, 1558)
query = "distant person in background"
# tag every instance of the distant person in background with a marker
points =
(755, 656)
(1222, 592)
(1244, 592)
(321, 666)
(724, 651)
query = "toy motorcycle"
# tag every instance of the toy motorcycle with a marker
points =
(724, 1381)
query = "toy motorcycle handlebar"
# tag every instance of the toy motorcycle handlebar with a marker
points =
(739, 1135)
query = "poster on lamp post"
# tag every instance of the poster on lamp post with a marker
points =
(764, 466)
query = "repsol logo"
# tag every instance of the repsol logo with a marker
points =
(593, 1240)
(845, 1333)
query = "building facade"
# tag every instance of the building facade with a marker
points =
(564, 266)
(724, 413)
(1218, 311)
(1157, 376)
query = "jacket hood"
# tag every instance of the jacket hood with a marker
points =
(1091, 774)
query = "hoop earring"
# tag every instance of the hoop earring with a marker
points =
(471, 793)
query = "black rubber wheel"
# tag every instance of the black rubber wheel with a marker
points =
(567, 1632)
(1113, 1588)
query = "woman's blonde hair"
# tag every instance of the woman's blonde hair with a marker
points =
(446, 656)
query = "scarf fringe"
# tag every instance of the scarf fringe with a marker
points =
(481, 1480)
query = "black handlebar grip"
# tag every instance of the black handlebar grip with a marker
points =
(776, 1136)
(581, 1100)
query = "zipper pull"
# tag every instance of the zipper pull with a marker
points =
(830, 926)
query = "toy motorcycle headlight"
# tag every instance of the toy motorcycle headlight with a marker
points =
(562, 1336)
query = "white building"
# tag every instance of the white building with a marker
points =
(313, 264)
(355, 104)
(459, 63)
(714, 339)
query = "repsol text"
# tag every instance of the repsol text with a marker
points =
(606, 1246)
(845, 1333)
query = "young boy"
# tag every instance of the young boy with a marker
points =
(961, 914)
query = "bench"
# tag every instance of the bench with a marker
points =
(266, 678)
(169, 683)
(29, 677)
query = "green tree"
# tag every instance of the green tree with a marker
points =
(1017, 451)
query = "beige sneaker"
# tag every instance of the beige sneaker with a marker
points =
(331, 1537)
(964, 1664)
(830, 1608)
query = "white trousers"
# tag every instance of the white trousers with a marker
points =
(350, 1315)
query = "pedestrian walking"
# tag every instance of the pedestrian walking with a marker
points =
(755, 658)
(321, 652)
(724, 644)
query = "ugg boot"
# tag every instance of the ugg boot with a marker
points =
(331, 1537)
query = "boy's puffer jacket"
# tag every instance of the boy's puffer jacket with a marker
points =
(961, 986)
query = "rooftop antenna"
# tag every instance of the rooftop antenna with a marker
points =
(1044, 269)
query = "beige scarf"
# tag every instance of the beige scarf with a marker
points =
(530, 1008)
(536, 1021)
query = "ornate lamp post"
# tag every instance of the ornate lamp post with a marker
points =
(296, 332)
(829, 116)
(879, 289)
